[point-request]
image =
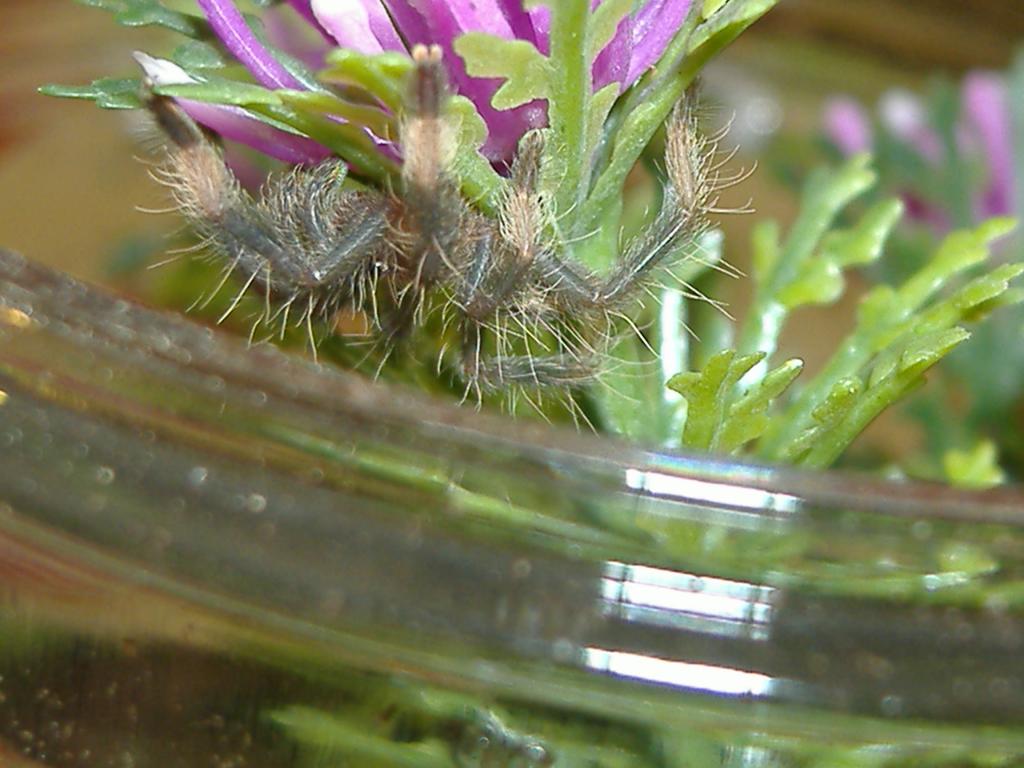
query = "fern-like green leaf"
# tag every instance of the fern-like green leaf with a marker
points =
(819, 280)
(890, 319)
(749, 417)
(144, 13)
(806, 269)
(107, 92)
(899, 372)
(524, 69)
(719, 416)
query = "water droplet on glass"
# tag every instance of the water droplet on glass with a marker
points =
(892, 705)
(197, 476)
(521, 568)
(255, 503)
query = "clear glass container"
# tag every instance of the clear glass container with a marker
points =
(214, 555)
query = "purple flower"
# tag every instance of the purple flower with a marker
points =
(847, 125)
(984, 133)
(375, 26)
(987, 121)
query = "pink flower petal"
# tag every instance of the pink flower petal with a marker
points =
(906, 118)
(654, 26)
(612, 64)
(522, 22)
(361, 25)
(987, 114)
(233, 31)
(235, 124)
(440, 22)
(847, 125)
(302, 40)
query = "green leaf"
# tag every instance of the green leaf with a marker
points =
(719, 416)
(975, 468)
(379, 122)
(337, 736)
(631, 394)
(604, 23)
(710, 7)
(525, 70)
(383, 75)
(477, 178)
(766, 246)
(197, 55)
(221, 91)
(826, 415)
(708, 396)
(600, 106)
(144, 13)
(863, 244)
(959, 252)
(820, 279)
(748, 417)
(901, 328)
(723, 23)
(891, 381)
(818, 282)
(348, 141)
(108, 92)
(792, 275)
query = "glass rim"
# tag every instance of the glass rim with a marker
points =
(648, 470)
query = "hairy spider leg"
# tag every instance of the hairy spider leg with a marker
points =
(575, 306)
(668, 238)
(499, 262)
(496, 293)
(429, 227)
(308, 242)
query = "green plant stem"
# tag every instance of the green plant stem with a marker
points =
(825, 195)
(569, 104)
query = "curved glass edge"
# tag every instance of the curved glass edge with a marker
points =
(294, 504)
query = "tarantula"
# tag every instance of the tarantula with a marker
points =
(525, 312)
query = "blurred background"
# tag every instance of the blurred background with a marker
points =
(73, 190)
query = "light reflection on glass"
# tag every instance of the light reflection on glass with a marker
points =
(686, 601)
(678, 674)
(710, 492)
